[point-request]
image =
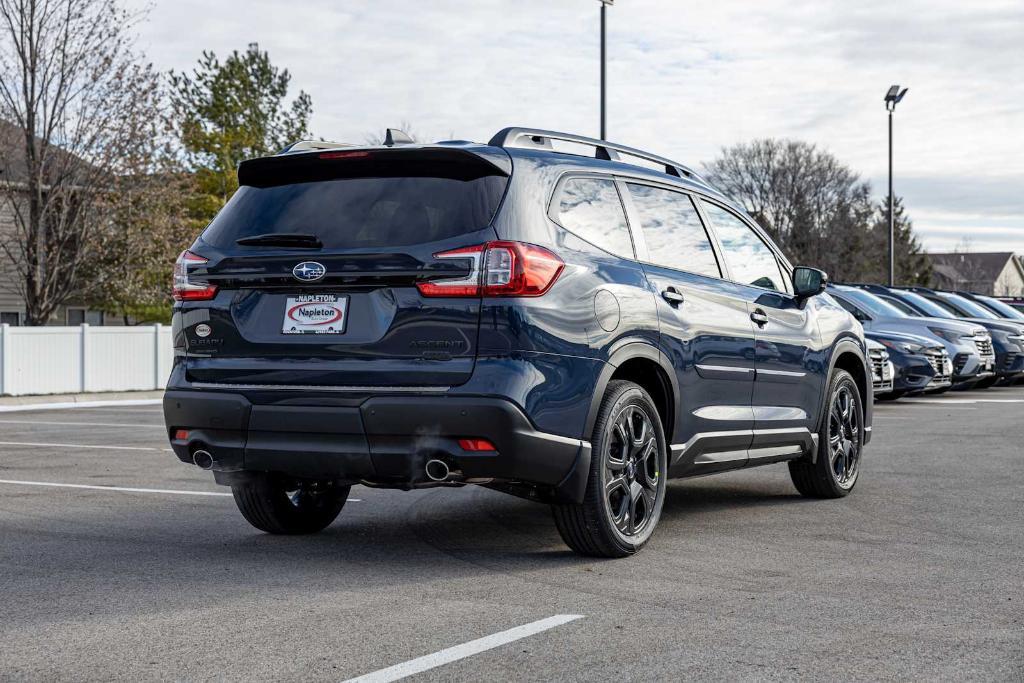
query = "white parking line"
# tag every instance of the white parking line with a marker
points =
(78, 424)
(99, 447)
(79, 404)
(125, 489)
(473, 647)
(962, 401)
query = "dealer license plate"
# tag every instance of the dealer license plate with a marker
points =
(315, 314)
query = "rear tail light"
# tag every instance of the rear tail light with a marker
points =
(185, 288)
(476, 445)
(506, 269)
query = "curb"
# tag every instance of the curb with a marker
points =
(10, 404)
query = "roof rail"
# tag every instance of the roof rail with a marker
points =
(536, 138)
(309, 145)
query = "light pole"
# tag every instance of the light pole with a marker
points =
(892, 98)
(604, 6)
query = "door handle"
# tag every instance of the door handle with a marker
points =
(759, 317)
(672, 295)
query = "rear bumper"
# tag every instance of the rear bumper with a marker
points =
(384, 440)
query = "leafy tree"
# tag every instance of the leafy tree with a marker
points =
(226, 112)
(913, 267)
(148, 229)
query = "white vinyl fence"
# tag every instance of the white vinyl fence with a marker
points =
(68, 360)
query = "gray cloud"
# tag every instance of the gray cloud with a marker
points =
(685, 79)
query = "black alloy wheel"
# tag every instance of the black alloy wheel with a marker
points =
(836, 465)
(844, 436)
(626, 485)
(632, 473)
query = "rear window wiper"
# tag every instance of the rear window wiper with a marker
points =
(282, 239)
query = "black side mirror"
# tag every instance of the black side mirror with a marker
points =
(809, 282)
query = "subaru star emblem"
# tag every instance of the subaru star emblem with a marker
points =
(309, 271)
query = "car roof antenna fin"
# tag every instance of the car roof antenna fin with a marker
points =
(393, 136)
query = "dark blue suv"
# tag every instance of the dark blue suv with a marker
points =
(548, 315)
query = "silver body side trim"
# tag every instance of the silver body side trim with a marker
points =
(784, 438)
(781, 373)
(723, 368)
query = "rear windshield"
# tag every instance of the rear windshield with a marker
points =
(387, 208)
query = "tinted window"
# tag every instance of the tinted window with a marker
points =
(9, 318)
(847, 305)
(672, 229)
(749, 259)
(75, 316)
(591, 208)
(361, 212)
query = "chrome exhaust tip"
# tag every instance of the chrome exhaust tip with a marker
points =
(202, 459)
(437, 470)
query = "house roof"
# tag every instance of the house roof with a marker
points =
(974, 266)
(13, 167)
(12, 153)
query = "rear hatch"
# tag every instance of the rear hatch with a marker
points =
(317, 260)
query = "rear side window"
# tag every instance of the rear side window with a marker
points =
(393, 205)
(591, 209)
(673, 232)
(749, 259)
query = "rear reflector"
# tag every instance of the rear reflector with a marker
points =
(187, 289)
(474, 445)
(505, 269)
(181, 435)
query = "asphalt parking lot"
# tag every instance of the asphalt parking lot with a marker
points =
(918, 574)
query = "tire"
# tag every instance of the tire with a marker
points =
(277, 506)
(606, 524)
(835, 471)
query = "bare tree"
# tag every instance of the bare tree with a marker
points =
(816, 208)
(81, 119)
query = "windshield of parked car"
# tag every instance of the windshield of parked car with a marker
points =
(931, 308)
(906, 308)
(1002, 309)
(972, 309)
(871, 303)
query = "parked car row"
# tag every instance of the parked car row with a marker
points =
(927, 340)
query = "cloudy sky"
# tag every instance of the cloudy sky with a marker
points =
(685, 79)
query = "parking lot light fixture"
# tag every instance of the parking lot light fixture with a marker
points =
(892, 97)
(604, 131)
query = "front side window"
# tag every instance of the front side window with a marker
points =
(672, 229)
(591, 209)
(749, 259)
